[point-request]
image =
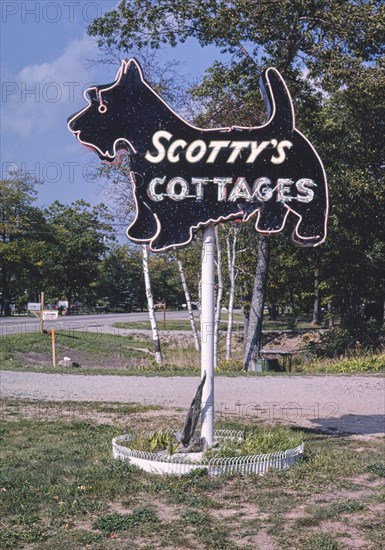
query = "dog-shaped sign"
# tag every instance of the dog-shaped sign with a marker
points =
(186, 177)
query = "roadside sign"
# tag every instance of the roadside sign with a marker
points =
(34, 306)
(50, 315)
(184, 178)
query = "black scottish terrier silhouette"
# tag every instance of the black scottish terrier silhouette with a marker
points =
(185, 177)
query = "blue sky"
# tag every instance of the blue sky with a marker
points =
(45, 66)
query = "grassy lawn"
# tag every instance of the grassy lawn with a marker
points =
(60, 488)
(168, 325)
(285, 322)
(99, 353)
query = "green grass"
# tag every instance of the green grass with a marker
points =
(97, 353)
(100, 353)
(255, 441)
(61, 488)
(363, 363)
(285, 322)
(181, 325)
(377, 468)
(111, 523)
(320, 541)
(145, 325)
(95, 344)
(167, 370)
(82, 410)
(319, 513)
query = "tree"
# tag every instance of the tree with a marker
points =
(231, 250)
(331, 54)
(254, 328)
(165, 279)
(292, 277)
(189, 308)
(120, 280)
(354, 255)
(218, 305)
(151, 309)
(325, 41)
(23, 237)
(81, 235)
(119, 191)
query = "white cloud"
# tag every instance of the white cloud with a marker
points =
(39, 98)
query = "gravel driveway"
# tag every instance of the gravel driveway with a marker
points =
(343, 404)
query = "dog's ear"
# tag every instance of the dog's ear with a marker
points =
(277, 98)
(131, 73)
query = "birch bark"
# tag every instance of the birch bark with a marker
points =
(189, 305)
(151, 309)
(231, 257)
(217, 321)
(316, 306)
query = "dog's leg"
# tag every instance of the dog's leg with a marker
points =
(310, 229)
(172, 233)
(272, 218)
(144, 227)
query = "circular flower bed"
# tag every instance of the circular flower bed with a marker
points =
(216, 460)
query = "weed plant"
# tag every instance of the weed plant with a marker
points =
(153, 442)
(370, 363)
(260, 440)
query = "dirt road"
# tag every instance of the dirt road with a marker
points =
(343, 404)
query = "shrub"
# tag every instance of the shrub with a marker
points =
(352, 339)
(362, 363)
(153, 442)
(229, 365)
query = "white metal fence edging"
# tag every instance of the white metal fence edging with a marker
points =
(184, 463)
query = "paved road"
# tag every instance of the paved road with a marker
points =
(20, 325)
(353, 404)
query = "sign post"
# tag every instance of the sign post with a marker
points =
(41, 313)
(185, 178)
(53, 347)
(207, 335)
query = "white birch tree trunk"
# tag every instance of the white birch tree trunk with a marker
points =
(189, 306)
(151, 309)
(231, 257)
(219, 295)
(316, 306)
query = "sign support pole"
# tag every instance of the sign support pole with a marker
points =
(41, 313)
(53, 347)
(207, 335)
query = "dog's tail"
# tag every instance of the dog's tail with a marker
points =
(278, 101)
